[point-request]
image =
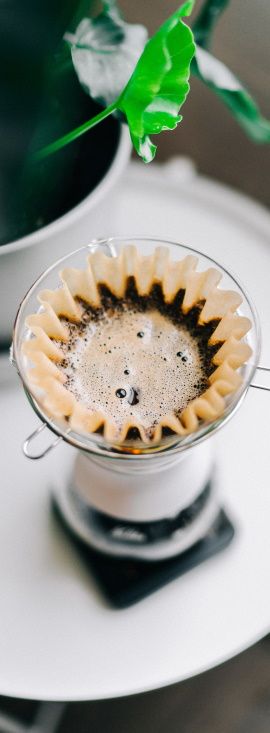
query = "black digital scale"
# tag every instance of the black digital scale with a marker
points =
(124, 581)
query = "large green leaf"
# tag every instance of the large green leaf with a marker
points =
(207, 19)
(151, 100)
(104, 52)
(159, 84)
(221, 80)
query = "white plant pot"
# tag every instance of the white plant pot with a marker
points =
(23, 260)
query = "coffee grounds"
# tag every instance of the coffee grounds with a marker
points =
(138, 358)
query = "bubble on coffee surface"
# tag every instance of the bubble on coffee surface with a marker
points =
(133, 365)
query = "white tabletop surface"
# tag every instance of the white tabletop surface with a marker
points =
(58, 639)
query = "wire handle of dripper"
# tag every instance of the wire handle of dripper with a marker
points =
(261, 386)
(45, 451)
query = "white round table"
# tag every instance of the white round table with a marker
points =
(58, 638)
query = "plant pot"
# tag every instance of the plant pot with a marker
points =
(22, 260)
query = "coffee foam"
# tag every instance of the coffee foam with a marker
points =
(193, 302)
(133, 366)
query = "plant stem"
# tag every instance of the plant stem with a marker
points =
(70, 136)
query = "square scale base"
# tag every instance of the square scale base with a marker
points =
(125, 581)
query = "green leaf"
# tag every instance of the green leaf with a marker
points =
(151, 100)
(104, 52)
(221, 80)
(159, 84)
(207, 19)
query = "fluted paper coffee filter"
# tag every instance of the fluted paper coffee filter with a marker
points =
(62, 315)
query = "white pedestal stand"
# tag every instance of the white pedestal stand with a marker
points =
(137, 493)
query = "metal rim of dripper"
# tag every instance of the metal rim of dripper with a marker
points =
(107, 450)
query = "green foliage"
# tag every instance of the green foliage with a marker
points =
(207, 19)
(104, 52)
(156, 90)
(221, 80)
(159, 84)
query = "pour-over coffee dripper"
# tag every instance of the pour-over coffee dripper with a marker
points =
(147, 502)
